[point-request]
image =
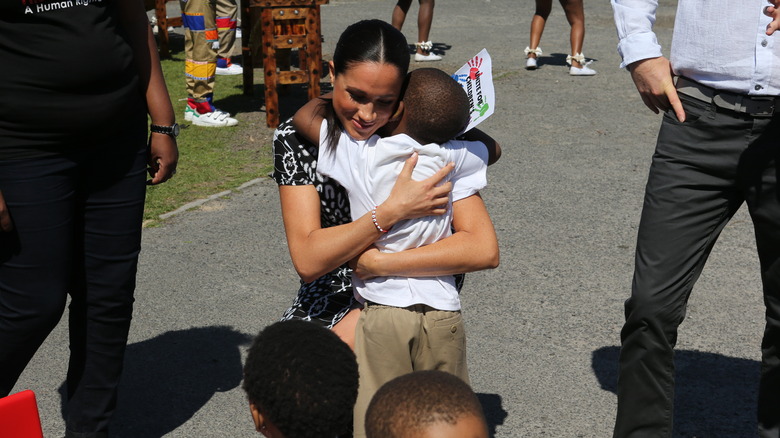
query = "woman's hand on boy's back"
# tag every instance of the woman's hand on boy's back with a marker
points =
(411, 199)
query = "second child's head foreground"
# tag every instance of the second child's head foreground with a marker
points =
(425, 404)
(301, 381)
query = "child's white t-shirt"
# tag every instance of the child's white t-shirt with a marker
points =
(368, 170)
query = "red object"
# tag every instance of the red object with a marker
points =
(19, 416)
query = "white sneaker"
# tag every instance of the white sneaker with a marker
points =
(188, 112)
(214, 119)
(584, 71)
(232, 69)
(531, 63)
(429, 57)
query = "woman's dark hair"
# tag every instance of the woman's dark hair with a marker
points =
(373, 41)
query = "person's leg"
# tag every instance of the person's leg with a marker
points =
(383, 340)
(691, 194)
(542, 12)
(399, 13)
(200, 66)
(345, 328)
(227, 12)
(759, 168)
(575, 15)
(112, 190)
(533, 51)
(200, 59)
(442, 344)
(424, 21)
(35, 258)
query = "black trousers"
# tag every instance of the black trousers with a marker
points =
(77, 219)
(702, 171)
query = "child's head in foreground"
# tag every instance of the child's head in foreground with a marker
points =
(301, 381)
(436, 108)
(425, 404)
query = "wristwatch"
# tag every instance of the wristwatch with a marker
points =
(172, 130)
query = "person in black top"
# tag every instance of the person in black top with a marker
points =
(82, 76)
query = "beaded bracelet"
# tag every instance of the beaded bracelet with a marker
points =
(373, 218)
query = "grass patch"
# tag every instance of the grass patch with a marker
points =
(211, 160)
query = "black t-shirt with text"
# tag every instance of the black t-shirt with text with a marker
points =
(67, 75)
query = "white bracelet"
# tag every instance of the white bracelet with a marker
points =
(373, 219)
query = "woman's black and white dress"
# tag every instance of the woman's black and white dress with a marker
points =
(327, 299)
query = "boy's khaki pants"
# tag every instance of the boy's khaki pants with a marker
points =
(393, 341)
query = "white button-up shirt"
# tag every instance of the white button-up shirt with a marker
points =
(719, 43)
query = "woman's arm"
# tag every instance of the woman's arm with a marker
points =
(473, 247)
(164, 154)
(316, 251)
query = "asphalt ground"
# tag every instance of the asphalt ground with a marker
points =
(543, 328)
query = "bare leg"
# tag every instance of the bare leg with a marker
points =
(424, 20)
(345, 328)
(575, 14)
(399, 13)
(543, 8)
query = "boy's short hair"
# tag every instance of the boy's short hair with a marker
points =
(304, 378)
(407, 405)
(436, 108)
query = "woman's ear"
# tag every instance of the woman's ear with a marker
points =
(332, 71)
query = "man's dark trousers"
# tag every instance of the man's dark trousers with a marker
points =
(702, 172)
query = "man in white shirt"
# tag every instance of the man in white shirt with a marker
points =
(717, 148)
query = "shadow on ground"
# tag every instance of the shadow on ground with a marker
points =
(495, 414)
(716, 395)
(169, 378)
(438, 48)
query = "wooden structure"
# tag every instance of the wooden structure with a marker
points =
(285, 25)
(163, 23)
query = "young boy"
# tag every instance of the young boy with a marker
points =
(425, 404)
(422, 312)
(301, 381)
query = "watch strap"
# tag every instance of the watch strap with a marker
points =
(172, 130)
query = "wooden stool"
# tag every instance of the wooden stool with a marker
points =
(163, 22)
(285, 24)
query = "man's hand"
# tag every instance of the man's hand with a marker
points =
(653, 80)
(5, 217)
(774, 12)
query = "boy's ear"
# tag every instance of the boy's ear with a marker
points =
(398, 112)
(331, 71)
(258, 418)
